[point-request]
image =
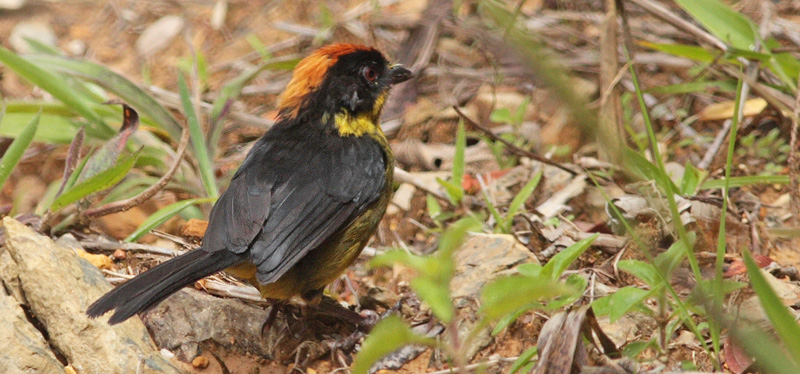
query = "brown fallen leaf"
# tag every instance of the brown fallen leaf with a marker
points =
(737, 360)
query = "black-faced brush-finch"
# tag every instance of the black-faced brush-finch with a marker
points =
(306, 199)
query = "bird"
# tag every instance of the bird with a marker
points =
(306, 199)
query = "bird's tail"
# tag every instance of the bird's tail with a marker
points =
(147, 289)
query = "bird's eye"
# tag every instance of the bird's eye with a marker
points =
(370, 73)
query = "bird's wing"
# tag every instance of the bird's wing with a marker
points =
(299, 201)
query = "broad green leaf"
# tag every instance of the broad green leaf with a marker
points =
(454, 236)
(722, 21)
(561, 261)
(782, 320)
(436, 295)
(198, 140)
(98, 182)
(59, 130)
(523, 359)
(530, 269)
(643, 169)
(625, 299)
(667, 261)
(55, 85)
(510, 294)
(162, 215)
(387, 336)
(454, 192)
(692, 177)
(640, 269)
(500, 115)
(117, 84)
(108, 154)
(17, 148)
(576, 284)
(434, 209)
(506, 320)
(634, 349)
(426, 266)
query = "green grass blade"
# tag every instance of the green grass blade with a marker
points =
(161, 216)
(115, 83)
(98, 182)
(55, 85)
(458, 159)
(749, 180)
(16, 149)
(783, 321)
(198, 140)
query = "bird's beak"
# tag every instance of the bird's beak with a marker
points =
(399, 74)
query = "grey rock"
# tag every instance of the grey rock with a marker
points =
(190, 317)
(22, 347)
(58, 287)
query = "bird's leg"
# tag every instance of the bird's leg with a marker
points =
(276, 306)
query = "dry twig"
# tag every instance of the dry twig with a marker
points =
(123, 205)
(511, 147)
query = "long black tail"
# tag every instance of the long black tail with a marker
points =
(147, 289)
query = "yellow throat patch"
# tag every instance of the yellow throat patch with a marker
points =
(362, 123)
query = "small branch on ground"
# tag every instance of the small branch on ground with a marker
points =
(123, 205)
(510, 146)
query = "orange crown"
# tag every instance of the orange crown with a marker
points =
(309, 74)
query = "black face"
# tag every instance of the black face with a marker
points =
(358, 79)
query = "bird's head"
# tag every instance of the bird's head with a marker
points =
(344, 84)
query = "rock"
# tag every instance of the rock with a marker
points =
(23, 348)
(483, 258)
(159, 35)
(188, 317)
(9, 273)
(58, 287)
(36, 30)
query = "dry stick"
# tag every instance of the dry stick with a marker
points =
(128, 247)
(403, 176)
(610, 134)
(510, 146)
(794, 162)
(123, 205)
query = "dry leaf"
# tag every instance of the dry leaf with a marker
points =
(100, 261)
(724, 110)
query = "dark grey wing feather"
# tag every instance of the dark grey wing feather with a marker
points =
(339, 183)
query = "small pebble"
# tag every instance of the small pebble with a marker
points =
(166, 353)
(120, 255)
